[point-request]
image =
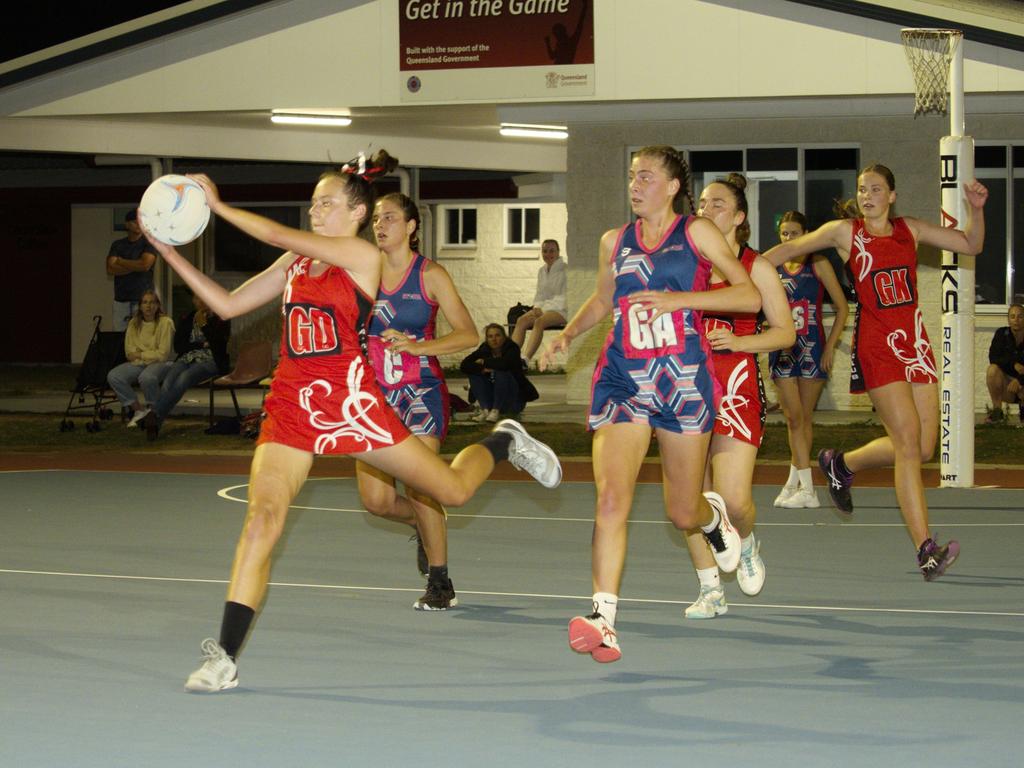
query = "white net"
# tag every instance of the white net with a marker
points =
(929, 52)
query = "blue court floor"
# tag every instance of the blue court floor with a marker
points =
(108, 583)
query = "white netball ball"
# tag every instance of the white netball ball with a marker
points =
(174, 210)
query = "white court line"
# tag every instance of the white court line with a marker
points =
(225, 493)
(358, 588)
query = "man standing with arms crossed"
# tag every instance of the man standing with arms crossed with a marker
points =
(130, 261)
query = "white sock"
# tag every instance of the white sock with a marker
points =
(747, 544)
(806, 481)
(607, 605)
(793, 475)
(708, 577)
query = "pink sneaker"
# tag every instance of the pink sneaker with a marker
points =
(594, 635)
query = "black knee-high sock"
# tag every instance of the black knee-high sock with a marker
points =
(234, 627)
(497, 443)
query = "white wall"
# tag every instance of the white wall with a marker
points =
(490, 277)
(645, 49)
(92, 289)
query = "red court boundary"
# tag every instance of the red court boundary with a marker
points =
(579, 470)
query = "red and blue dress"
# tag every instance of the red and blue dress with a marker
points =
(655, 371)
(413, 385)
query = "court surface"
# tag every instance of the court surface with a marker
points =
(109, 581)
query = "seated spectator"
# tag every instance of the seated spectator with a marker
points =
(201, 341)
(1006, 365)
(549, 307)
(496, 377)
(147, 345)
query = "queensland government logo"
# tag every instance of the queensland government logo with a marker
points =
(558, 80)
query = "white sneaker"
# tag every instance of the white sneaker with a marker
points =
(480, 416)
(218, 672)
(801, 498)
(785, 493)
(492, 415)
(709, 603)
(139, 416)
(724, 540)
(593, 634)
(531, 455)
(751, 571)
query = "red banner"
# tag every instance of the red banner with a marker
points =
(469, 34)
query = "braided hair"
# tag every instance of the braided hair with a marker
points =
(796, 217)
(675, 166)
(358, 175)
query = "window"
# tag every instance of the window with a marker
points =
(522, 226)
(998, 268)
(780, 179)
(234, 251)
(458, 227)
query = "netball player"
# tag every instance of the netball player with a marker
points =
(892, 358)
(800, 372)
(324, 398)
(653, 375)
(403, 350)
(736, 338)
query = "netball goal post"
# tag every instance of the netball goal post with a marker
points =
(936, 59)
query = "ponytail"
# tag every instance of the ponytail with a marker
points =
(737, 184)
(358, 175)
(675, 166)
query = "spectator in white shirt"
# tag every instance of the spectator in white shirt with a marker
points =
(549, 306)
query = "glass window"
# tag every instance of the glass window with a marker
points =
(990, 157)
(717, 162)
(830, 175)
(772, 159)
(522, 226)
(990, 264)
(998, 268)
(768, 200)
(1018, 233)
(234, 251)
(832, 159)
(459, 227)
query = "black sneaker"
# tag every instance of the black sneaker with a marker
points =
(839, 482)
(995, 416)
(438, 597)
(933, 560)
(422, 564)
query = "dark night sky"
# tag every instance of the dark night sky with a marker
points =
(38, 24)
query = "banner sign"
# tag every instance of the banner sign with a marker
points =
(452, 50)
(956, 363)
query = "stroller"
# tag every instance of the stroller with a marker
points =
(105, 352)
